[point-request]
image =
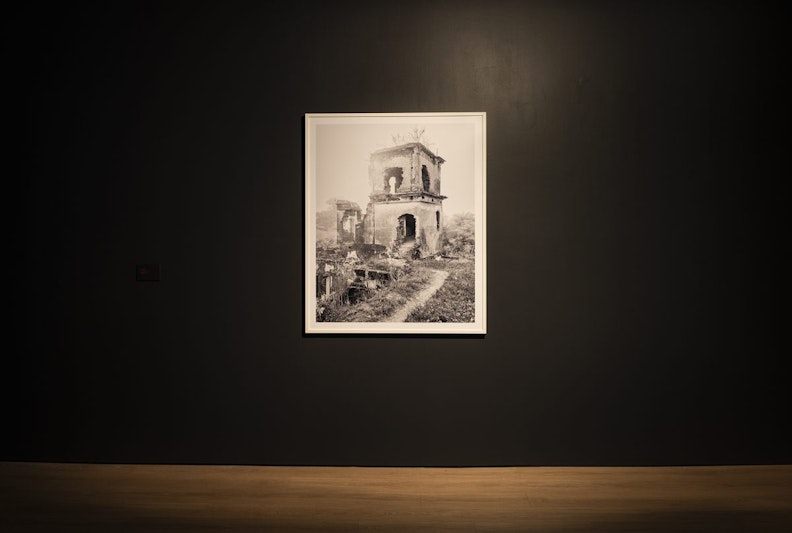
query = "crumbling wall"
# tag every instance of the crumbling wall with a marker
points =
(348, 218)
(411, 158)
(380, 166)
(429, 221)
(433, 169)
(382, 222)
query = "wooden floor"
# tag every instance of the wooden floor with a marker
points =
(110, 498)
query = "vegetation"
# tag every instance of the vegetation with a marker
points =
(326, 230)
(460, 235)
(415, 135)
(378, 304)
(455, 301)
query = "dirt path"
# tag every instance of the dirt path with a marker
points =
(438, 278)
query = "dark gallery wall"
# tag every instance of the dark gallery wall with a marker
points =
(635, 153)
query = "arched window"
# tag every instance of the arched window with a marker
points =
(437, 217)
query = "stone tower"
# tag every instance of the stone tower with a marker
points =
(405, 204)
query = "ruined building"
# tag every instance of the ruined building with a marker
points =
(348, 222)
(405, 205)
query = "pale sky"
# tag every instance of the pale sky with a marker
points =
(342, 156)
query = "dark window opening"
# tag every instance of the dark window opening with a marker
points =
(425, 177)
(437, 216)
(393, 179)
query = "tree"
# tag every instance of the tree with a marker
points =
(460, 234)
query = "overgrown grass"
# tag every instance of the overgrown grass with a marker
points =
(456, 299)
(383, 302)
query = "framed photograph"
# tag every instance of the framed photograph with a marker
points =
(395, 209)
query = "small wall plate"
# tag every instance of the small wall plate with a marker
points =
(148, 272)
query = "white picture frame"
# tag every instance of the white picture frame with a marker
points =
(395, 223)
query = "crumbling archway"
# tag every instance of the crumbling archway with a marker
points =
(406, 228)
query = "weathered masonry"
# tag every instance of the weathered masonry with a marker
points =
(405, 205)
(348, 221)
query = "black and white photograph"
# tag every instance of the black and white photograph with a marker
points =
(395, 223)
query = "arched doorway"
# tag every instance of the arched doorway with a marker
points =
(406, 227)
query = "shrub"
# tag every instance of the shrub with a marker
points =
(460, 235)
